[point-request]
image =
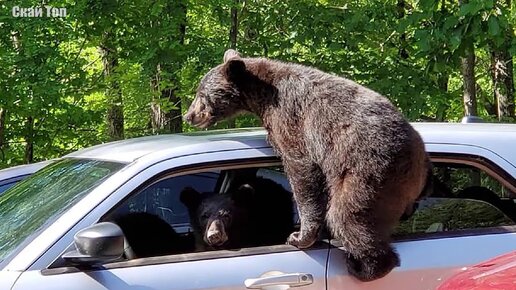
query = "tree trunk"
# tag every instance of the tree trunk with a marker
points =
(157, 122)
(173, 116)
(115, 109)
(402, 51)
(442, 83)
(468, 76)
(3, 114)
(29, 140)
(503, 85)
(3, 118)
(233, 33)
(502, 75)
(170, 120)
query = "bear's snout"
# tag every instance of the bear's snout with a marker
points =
(188, 117)
(216, 234)
(198, 116)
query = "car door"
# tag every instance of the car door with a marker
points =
(222, 270)
(254, 267)
(429, 258)
(472, 220)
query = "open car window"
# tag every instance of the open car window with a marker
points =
(186, 223)
(163, 198)
(465, 198)
(452, 214)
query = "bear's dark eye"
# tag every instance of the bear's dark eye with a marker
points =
(205, 216)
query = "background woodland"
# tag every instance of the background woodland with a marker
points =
(115, 69)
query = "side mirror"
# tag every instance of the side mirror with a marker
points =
(97, 244)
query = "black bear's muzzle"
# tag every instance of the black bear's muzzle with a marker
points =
(216, 234)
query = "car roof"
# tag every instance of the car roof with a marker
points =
(129, 150)
(499, 138)
(495, 137)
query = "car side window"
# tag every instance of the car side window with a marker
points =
(162, 198)
(464, 198)
(186, 210)
(452, 214)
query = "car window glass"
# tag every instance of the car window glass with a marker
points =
(458, 177)
(452, 214)
(465, 181)
(464, 198)
(31, 203)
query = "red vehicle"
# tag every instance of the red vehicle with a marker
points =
(496, 274)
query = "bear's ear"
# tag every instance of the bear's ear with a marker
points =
(190, 197)
(234, 69)
(244, 194)
(231, 54)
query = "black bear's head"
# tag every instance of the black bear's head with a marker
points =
(223, 219)
(219, 95)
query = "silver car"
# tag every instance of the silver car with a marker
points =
(56, 231)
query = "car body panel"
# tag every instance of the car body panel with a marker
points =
(222, 273)
(8, 279)
(173, 145)
(425, 263)
(492, 137)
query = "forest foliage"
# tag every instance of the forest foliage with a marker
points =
(114, 69)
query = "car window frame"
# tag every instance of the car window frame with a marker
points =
(479, 162)
(57, 267)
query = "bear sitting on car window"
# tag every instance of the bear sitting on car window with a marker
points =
(149, 235)
(236, 219)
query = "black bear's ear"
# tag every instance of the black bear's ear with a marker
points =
(234, 69)
(190, 197)
(231, 54)
(244, 194)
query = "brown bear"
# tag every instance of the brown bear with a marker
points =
(236, 219)
(350, 156)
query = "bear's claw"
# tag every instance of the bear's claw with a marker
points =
(296, 239)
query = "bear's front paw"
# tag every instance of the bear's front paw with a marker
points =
(300, 241)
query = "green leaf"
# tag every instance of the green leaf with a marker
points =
(492, 26)
(450, 22)
(427, 4)
(455, 41)
(470, 8)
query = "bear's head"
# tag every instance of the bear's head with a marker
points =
(219, 94)
(223, 219)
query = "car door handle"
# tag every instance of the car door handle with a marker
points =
(291, 280)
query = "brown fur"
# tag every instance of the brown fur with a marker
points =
(352, 160)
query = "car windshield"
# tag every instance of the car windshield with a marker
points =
(39, 199)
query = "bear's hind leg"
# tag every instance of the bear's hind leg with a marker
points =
(308, 186)
(351, 220)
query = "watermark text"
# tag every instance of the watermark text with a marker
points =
(45, 11)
